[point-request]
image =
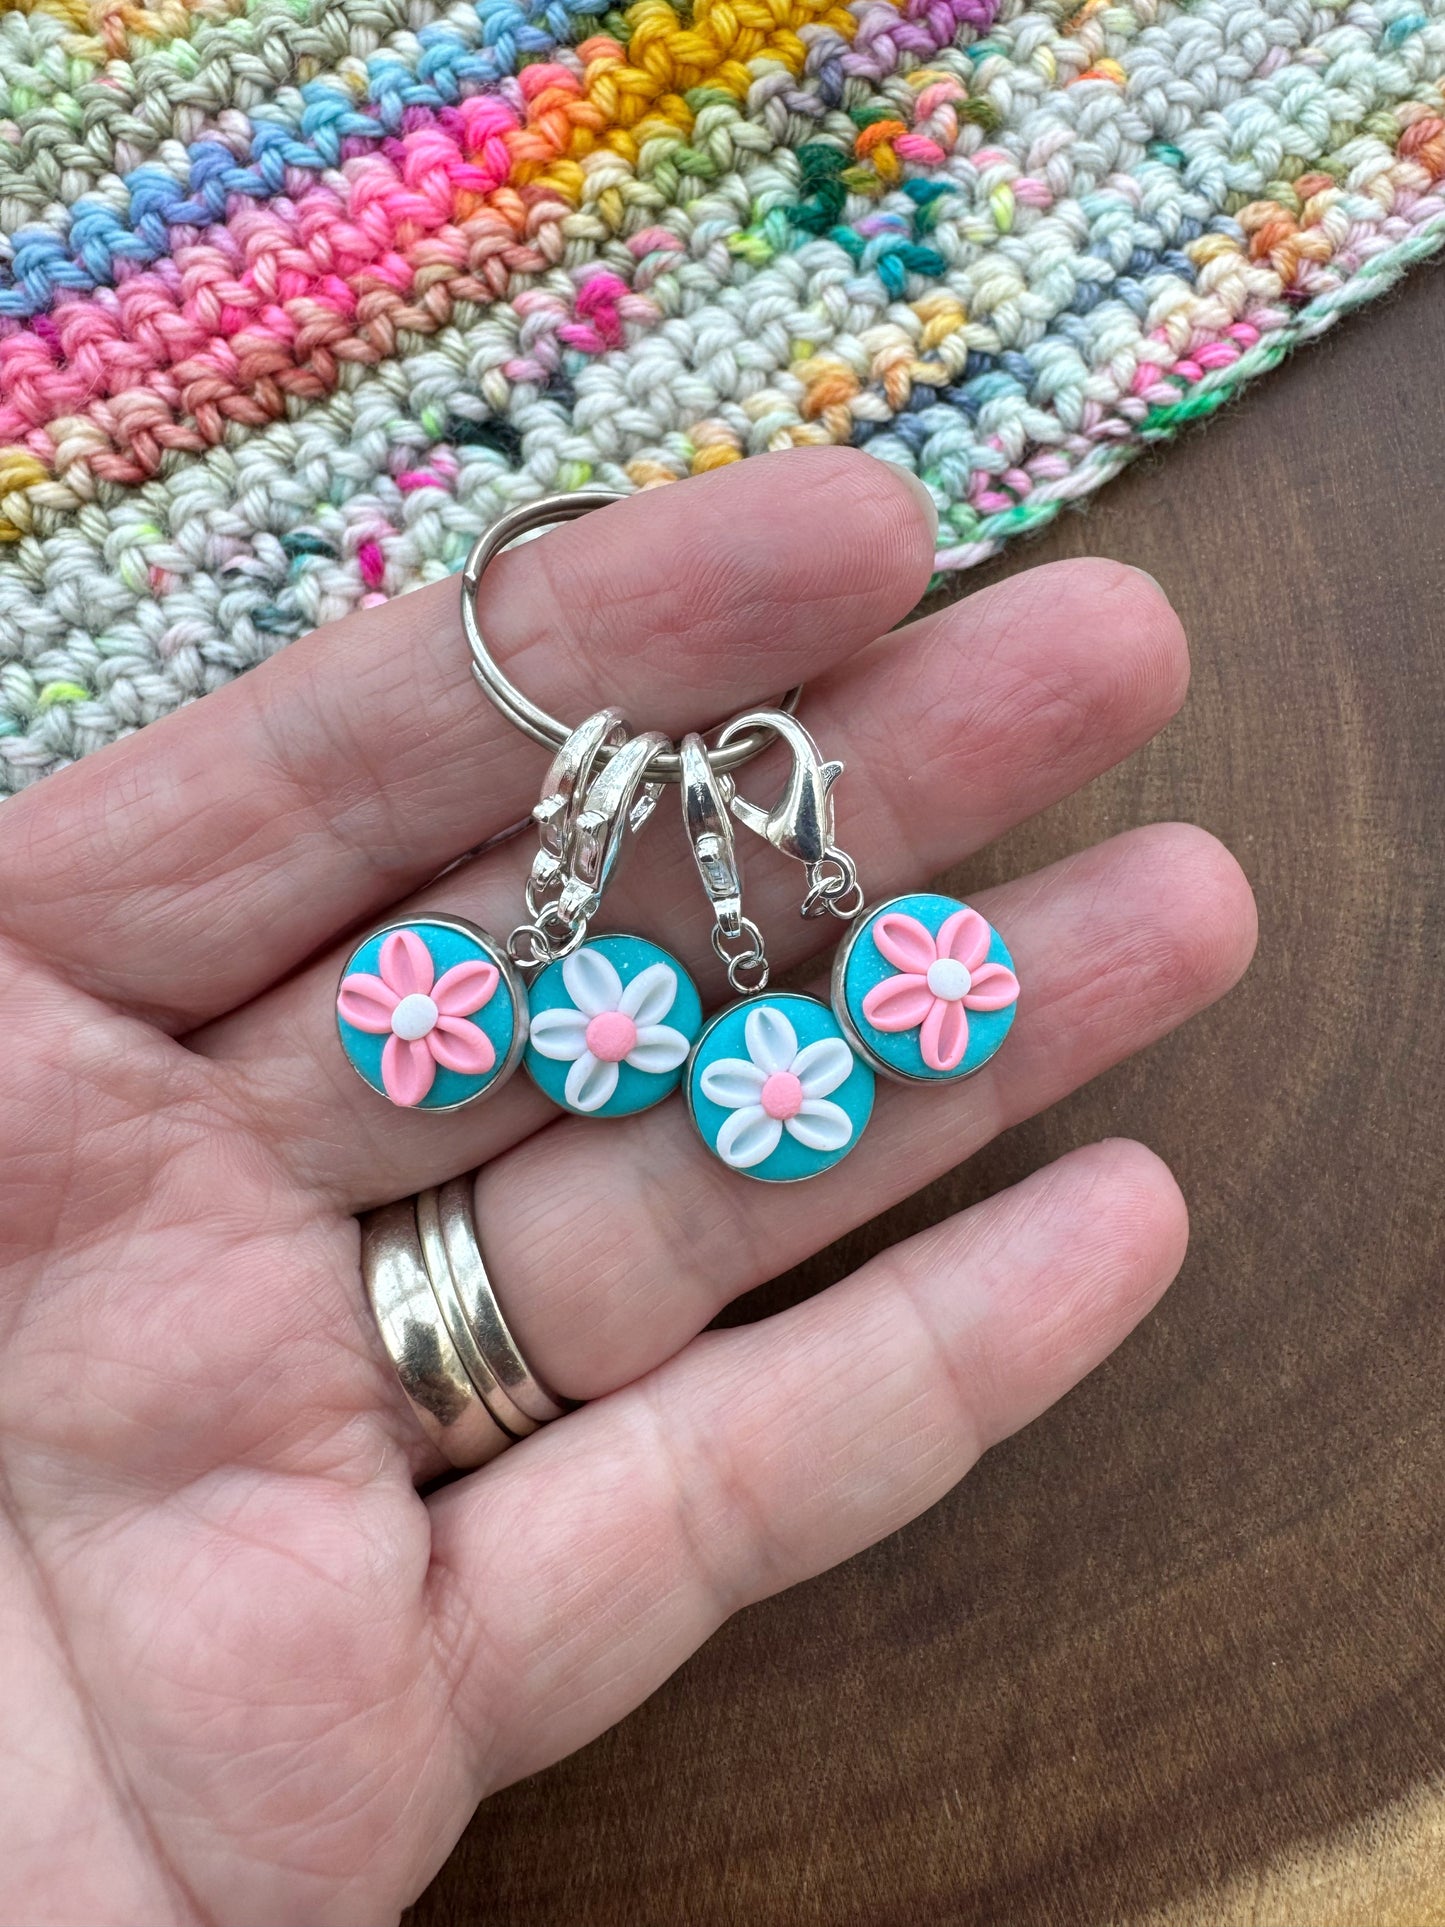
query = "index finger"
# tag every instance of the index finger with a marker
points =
(180, 872)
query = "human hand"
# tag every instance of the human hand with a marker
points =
(250, 1674)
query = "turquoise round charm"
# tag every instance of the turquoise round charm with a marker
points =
(775, 1089)
(431, 1013)
(924, 988)
(611, 1027)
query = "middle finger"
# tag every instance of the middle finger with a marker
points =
(954, 729)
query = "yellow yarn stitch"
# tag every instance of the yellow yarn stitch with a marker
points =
(638, 92)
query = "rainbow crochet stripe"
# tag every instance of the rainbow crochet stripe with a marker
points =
(297, 295)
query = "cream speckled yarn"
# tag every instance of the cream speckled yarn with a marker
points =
(295, 298)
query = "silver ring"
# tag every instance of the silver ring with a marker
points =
(449, 1289)
(494, 1340)
(420, 1346)
(665, 766)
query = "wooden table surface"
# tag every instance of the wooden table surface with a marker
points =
(1176, 1654)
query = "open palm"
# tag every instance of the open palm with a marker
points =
(249, 1673)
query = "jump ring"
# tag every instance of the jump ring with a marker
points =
(536, 902)
(747, 968)
(833, 887)
(665, 766)
(847, 902)
(531, 945)
(748, 975)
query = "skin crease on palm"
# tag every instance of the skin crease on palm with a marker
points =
(250, 1674)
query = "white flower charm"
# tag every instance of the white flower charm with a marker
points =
(778, 1088)
(610, 1024)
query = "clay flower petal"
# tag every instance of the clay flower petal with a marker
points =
(898, 1003)
(659, 1048)
(465, 988)
(407, 1070)
(821, 1067)
(461, 1046)
(771, 1040)
(592, 983)
(733, 1082)
(965, 937)
(560, 1034)
(820, 1125)
(590, 1082)
(905, 943)
(748, 1136)
(406, 964)
(994, 987)
(943, 1039)
(367, 1002)
(650, 995)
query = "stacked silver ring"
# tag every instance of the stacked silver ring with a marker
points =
(461, 1369)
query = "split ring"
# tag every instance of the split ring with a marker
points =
(666, 765)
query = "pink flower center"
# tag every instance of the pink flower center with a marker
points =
(610, 1036)
(781, 1096)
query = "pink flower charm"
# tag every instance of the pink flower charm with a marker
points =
(941, 979)
(426, 1015)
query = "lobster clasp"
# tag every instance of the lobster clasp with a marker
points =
(705, 800)
(562, 793)
(585, 821)
(615, 807)
(800, 823)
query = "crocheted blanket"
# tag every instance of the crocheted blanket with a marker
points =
(297, 295)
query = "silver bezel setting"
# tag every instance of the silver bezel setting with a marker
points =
(511, 977)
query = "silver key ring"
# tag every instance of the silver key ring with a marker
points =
(665, 766)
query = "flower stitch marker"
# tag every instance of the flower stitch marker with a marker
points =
(431, 1013)
(794, 1104)
(599, 1013)
(799, 1100)
(925, 988)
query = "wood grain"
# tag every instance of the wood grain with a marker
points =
(1177, 1653)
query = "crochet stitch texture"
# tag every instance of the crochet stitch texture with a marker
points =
(298, 295)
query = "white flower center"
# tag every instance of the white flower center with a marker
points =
(414, 1017)
(949, 980)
